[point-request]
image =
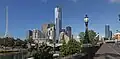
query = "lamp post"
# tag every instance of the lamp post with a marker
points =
(86, 20)
(86, 41)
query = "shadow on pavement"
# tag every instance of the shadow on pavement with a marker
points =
(108, 55)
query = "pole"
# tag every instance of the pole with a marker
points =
(54, 37)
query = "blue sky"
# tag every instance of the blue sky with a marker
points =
(30, 14)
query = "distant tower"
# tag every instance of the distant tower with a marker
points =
(58, 21)
(69, 31)
(119, 17)
(107, 31)
(6, 18)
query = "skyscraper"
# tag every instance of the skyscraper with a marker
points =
(36, 34)
(45, 29)
(107, 31)
(51, 33)
(29, 34)
(58, 21)
(63, 30)
(68, 31)
(110, 34)
(6, 18)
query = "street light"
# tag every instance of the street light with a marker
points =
(86, 42)
(86, 20)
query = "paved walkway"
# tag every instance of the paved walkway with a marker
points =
(108, 51)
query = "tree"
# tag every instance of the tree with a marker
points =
(81, 35)
(91, 34)
(19, 42)
(70, 48)
(44, 52)
(63, 48)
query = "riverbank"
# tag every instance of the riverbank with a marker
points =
(7, 52)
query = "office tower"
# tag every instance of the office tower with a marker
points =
(6, 18)
(110, 34)
(45, 29)
(63, 30)
(58, 21)
(36, 34)
(29, 34)
(107, 31)
(68, 31)
(51, 33)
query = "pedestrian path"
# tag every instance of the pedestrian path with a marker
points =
(108, 51)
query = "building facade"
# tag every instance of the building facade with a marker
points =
(110, 34)
(69, 31)
(51, 33)
(107, 31)
(58, 21)
(64, 37)
(36, 34)
(116, 36)
(45, 29)
(63, 30)
(29, 34)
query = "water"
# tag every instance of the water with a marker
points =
(13, 56)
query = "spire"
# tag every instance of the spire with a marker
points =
(6, 18)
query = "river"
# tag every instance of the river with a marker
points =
(13, 56)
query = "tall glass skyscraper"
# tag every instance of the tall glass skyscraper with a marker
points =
(110, 34)
(107, 31)
(58, 21)
(68, 31)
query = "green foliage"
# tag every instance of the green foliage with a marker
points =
(90, 35)
(86, 37)
(19, 42)
(81, 35)
(70, 48)
(63, 48)
(44, 52)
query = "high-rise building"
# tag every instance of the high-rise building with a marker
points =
(45, 29)
(107, 31)
(58, 21)
(63, 30)
(29, 34)
(68, 31)
(6, 18)
(110, 34)
(51, 33)
(36, 34)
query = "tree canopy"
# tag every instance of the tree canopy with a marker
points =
(70, 48)
(43, 52)
(91, 34)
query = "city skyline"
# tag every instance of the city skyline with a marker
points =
(29, 14)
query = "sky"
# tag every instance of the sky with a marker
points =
(31, 14)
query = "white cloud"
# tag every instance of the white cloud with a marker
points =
(114, 1)
(45, 1)
(74, 0)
